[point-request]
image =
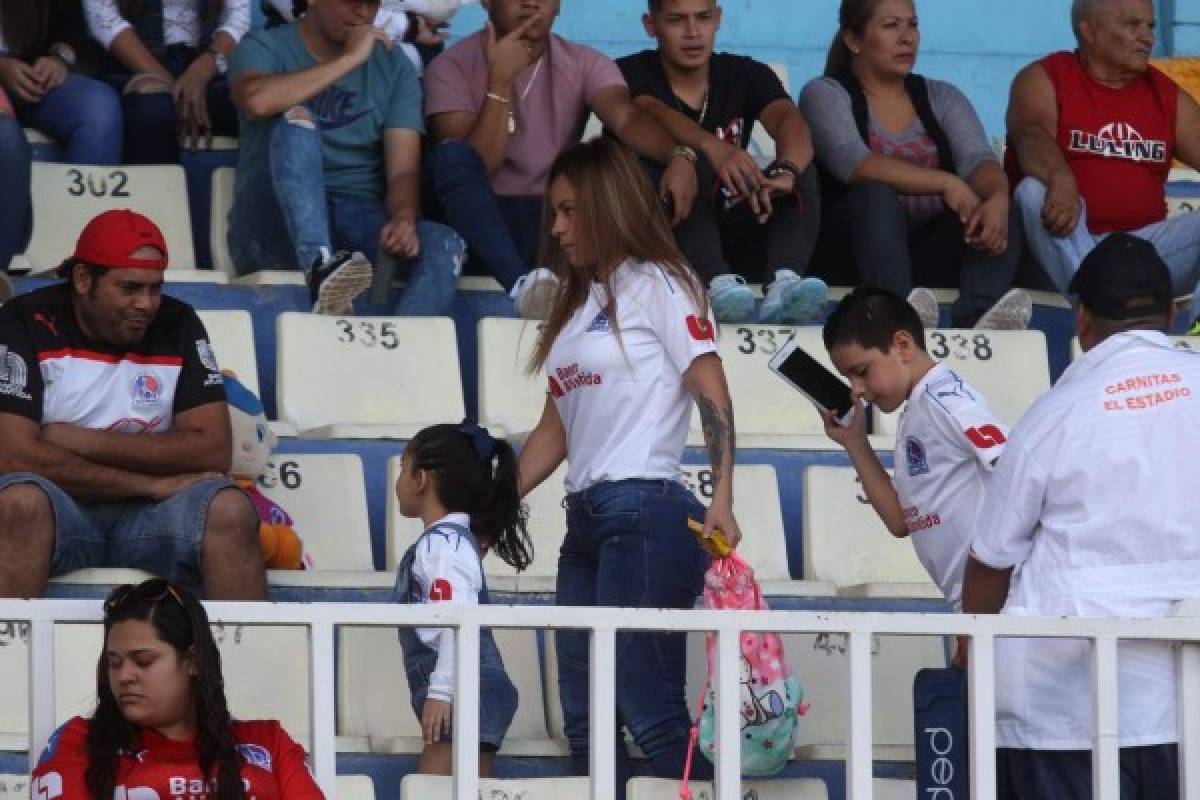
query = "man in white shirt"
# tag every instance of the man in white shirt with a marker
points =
(1095, 503)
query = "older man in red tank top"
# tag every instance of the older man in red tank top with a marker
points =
(1092, 135)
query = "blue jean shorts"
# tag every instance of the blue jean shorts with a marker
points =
(161, 537)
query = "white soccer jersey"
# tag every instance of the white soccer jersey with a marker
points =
(1096, 502)
(946, 444)
(622, 402)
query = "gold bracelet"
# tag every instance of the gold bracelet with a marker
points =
(683, 151)
(499, 98)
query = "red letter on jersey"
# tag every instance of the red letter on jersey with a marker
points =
(700, 329)
(441, 591)
(986, 436)
(555, 389)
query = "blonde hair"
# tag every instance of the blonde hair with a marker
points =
(618, 216)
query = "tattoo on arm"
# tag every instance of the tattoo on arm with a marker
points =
(719, 435)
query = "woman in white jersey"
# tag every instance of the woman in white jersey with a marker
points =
(627, 347)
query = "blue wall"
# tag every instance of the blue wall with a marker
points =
(977, 44)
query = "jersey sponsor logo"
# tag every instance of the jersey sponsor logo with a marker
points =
(49, 322)
(916, 522)
(255, 755)
(441, 591)
(914, 455)
(135, 425)
(732, 131)
(1119, 140)
(207, 357)
(985, 436)
(571, 378)
(147, 390)
(14, 374)
(141, 793)
(46, 787)
(701, 329)
(599, 324)
(1137, 393)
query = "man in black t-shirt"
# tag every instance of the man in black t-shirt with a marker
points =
(747, 220)
(115, 429)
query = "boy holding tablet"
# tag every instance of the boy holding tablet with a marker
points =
(947, 441)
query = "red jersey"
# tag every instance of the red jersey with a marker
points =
(1119, 143)
(273, 766)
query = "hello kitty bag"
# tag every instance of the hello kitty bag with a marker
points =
(772, 700)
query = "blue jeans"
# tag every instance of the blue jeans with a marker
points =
(1177, 241)
(151, 123)
(502, 233)
(163, 537)
(14, 200)
(866, 227)
(282, 217)
(85, 116)
(627, 545)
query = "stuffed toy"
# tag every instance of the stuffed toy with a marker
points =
(252, 445)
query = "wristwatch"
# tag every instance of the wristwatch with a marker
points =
(780, 166)
(64, 53)
(219, 60)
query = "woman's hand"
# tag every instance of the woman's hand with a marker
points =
(720, 517)
(191, 101)
(435, 720)
(987, 227)
(20, 80)
(960, 198)
(50, 72)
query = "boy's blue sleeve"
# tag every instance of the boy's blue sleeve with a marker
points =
(254, 54)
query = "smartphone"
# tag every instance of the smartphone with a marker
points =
(813, 379)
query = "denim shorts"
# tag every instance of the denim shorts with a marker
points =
(497, 695)
(161, 537)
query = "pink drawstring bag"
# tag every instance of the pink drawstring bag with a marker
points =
(771, 700)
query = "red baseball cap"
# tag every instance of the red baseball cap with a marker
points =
(111, 239)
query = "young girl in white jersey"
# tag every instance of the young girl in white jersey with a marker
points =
(627, 348)
(462, 484)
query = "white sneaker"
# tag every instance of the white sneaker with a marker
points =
(1011, 312)
(534, 292)
(793, 300)
(925, 303)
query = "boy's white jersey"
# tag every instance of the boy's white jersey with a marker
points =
(946, 444)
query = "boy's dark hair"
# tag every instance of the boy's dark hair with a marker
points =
(870, 318)
(476, 474)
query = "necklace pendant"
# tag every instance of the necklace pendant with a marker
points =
(512, 123)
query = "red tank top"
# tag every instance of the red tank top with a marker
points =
(1119, 143)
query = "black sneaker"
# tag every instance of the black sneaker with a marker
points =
(333, 286)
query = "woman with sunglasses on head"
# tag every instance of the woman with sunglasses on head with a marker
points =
(628, 346)
(161, 721)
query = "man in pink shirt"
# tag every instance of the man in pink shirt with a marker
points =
(502, 104)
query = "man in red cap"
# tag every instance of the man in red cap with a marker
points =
(116, 434)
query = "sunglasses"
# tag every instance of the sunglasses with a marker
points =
(154, 590)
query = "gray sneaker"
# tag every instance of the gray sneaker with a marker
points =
(1011, 312)
(332, 286)
(534, 292)
(925, 304)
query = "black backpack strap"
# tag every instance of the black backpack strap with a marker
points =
(858, 100)
(918, 92)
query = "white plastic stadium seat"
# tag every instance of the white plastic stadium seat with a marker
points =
(355, 787)
(820, 664)
(14, 787)
(893, 789)
(787, 789)
(252, 657)
(510, 399)
(336, 534)
(367, 377)
(14, 685)
(762, 146)
(67, 196)
(437, 787)
(1180, 342)
(756, 497)
(231, 334)
(845, 541)
(370, 720)
(770, 413)
(1009, 368)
